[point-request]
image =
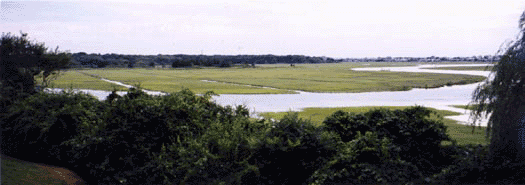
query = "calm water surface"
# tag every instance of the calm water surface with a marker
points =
(439, 98)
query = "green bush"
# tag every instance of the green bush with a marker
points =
(220, 156)
(291, 151)
(42, 122)
(411, 129)
(367, 159)
(347, 124)
(471, 166)
(129, 139)
(467, 159)
(167, 139)
(186, 139)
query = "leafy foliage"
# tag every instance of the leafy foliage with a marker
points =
(138, 126)
(347, 124)
(503, 97)
(21, 61)
(183, 138)
(472, 165)
(367, 159)
(41, 122)
(220, 155)
(411, 129)
(291, 151)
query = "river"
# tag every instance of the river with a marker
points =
(439, 98)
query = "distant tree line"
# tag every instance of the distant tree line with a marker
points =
(83, 59)
(486, 58)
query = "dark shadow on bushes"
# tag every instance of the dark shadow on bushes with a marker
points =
(291, 151)
(187, 139)
(411, 129)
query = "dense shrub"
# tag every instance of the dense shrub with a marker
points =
(136, 138)
(467, 159)
(220, 155)
(142, 139)
(132, 125)
(471, 166)
(347, 124)
(117, 145)
(367, 160)
(411, 129)
(34, 128)
(291, 151)
(187, 139)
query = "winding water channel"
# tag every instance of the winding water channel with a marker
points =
(439, 98)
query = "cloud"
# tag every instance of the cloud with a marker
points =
(331, 28)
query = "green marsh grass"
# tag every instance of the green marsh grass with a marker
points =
(336, 77)
(77, 80)
(461, 133)
(175, 80)
(468, 107)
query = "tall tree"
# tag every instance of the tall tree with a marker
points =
(21, 61)
(504, 97)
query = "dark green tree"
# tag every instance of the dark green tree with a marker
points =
(21, 61)
(225, 63)
(504, 97)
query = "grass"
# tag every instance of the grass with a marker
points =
(461, 133)
(335, 77)
(158, 80)
(16, 171)
(473, 68)
(77, 80)
(471, 107)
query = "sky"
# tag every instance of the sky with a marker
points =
(338, 29)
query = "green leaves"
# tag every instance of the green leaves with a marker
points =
(390, 138)
(367, 159)
(184, 138)
(503, 97)
(49, 121)
(21, 61)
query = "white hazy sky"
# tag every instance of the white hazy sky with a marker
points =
(339, 29)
